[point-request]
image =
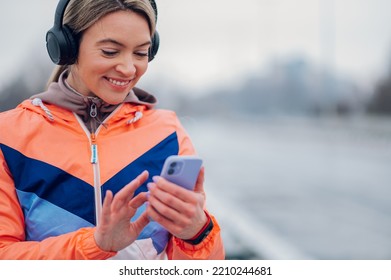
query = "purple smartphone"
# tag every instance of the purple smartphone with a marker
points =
(182, 170)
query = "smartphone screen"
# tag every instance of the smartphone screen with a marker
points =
(182, 170)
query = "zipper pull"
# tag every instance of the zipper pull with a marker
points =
(93, 110)
(94, 149)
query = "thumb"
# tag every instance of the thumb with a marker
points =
(199, 186)
(139, 224)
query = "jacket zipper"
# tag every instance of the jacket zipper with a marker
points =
(94, 160)
(95, 163)
(96, 172)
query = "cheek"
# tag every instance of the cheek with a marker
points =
(91, 63)
(100, 66)
(141, 69)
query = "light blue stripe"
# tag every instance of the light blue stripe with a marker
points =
(44, 219)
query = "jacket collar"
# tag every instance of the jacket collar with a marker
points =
(92, 110)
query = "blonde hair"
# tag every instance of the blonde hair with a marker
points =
(82, 14)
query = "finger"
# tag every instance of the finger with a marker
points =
(171, 208)
(140, 223)
(138, 200)
(174, 190)
(126, 193)
(136, 182)
(199, 186)
(106, 207)
(162, 220)
(162, 196)
(179, 199)
(154, 214)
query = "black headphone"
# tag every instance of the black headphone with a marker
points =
(62, 44)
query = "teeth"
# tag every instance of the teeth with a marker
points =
(118, 83)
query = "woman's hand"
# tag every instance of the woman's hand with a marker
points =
(115, 231)
(177, 209)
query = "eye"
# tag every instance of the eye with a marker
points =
(109, 53)
(142, 54)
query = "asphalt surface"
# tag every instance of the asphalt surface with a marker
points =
(290, 188)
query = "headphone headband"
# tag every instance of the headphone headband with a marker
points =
(60, 11)
(62, 46)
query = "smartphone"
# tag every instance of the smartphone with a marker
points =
(182, 170)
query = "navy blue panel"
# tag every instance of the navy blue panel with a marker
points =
(51, 183)
(152, 161)
(72, 194)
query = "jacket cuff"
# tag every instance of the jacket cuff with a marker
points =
(204, 248)
(90, 249)
(203, 233)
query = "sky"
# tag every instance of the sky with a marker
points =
(208, 43)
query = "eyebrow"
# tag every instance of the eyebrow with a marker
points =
(115, 42)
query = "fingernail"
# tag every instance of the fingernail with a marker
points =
(155, 179)
(150, 186)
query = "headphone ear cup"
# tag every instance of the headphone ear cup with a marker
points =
(61, 45)
(155, 41)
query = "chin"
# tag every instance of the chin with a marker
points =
(114, 101)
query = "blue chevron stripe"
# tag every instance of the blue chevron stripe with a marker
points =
(51, 184)
(152, 161)
(55, 202)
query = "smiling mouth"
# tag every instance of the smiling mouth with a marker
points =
(119, 82)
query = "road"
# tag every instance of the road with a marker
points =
(291, 188)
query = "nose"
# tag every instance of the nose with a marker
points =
(126, 66)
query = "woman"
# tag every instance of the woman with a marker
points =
(84, 139)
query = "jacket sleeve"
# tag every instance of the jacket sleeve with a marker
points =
(211, 248)
(13, 245)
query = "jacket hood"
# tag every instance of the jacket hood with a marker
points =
(92, 110)
(62, 95)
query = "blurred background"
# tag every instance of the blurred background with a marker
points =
(288, 102)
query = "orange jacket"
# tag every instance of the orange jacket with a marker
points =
(50, 167)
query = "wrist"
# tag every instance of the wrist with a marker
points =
(100, 243)
(204, 232)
